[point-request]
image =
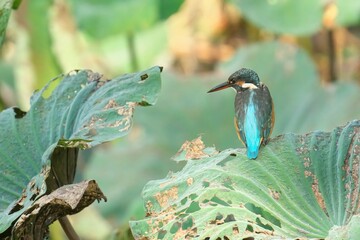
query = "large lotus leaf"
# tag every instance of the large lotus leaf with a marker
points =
(131, 15)
(82, 111)
(5, 10)
(300, 186)
(284, 16)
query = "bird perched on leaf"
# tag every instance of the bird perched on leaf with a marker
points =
(254, 109)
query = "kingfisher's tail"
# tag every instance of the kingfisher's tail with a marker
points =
(252, 153)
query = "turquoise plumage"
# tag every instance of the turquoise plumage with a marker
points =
(252, 131)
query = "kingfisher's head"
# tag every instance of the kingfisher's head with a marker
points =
(240, 80)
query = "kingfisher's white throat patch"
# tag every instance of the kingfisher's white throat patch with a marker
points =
(249, 85)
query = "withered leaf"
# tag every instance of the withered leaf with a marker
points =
(66, 200)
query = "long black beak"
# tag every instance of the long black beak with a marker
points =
(220, 87)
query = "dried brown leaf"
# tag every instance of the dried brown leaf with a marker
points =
(66, 200)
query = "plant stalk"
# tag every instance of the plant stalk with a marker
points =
(68, 229)
(132, 51)
(332, 56)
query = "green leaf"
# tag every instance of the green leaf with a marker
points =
(16, 4)
(283, 16)
(7, 75)
(299, 187)
(43, 60)
(349, 231)
(348, 12)
(131, 15)
(5, 10)
(118, 45)
(83, 111)
(7, 85)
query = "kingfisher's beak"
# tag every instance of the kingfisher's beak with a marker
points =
(220, 87)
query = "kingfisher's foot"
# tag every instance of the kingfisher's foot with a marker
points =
(265, 142)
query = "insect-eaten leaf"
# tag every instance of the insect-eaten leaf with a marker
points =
(38, 148)
(194, 149)
(300, 187)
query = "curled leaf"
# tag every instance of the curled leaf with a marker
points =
(66, 200)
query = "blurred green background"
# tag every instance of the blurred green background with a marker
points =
(307, 52)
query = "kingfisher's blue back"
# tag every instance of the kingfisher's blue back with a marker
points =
(254, 118)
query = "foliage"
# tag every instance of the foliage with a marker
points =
(348, 12)
(43, 60)
(286, 16)
(5, 10)
(300, 186)
(83, 111)
(131, 16)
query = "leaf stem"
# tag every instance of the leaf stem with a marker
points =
(132, 51)
(68, 229)
(332, 56)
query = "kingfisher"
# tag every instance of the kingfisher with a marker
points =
(254, 109)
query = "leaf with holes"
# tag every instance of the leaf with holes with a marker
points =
(81, 112)
(300, 186)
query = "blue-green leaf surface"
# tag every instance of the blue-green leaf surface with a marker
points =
(82, 111)
(300, 186)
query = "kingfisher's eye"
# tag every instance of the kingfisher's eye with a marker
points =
(232, 82)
